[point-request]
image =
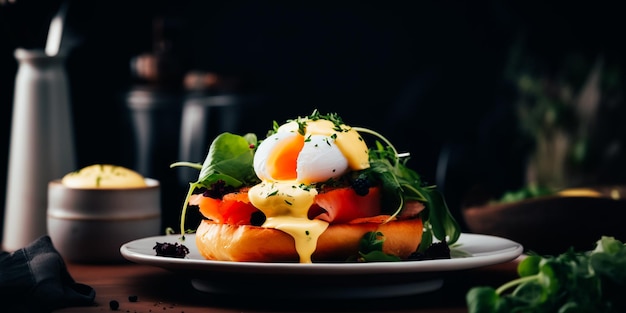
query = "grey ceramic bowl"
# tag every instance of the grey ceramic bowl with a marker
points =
(553, 224)
(90, 225)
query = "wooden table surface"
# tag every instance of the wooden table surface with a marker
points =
(159, 290)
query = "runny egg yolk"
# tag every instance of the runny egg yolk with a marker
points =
(289, 162)
(282, 162)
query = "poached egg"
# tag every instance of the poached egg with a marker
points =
(290, 162)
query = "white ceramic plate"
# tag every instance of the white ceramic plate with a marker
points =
(347, 280)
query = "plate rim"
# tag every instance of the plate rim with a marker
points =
(196, 264)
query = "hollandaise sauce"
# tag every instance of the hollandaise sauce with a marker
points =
(305, 233)
(286, 205)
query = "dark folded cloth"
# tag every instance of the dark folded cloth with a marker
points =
(35, 279)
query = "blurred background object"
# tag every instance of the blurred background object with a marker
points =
(431, 76)
(551, 224)
(571, 113)
(569, 109)
(41, 125)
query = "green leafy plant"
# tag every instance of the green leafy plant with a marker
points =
(527, 192)
(591, 281)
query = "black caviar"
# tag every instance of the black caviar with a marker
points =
(436, 251)
(171, 250)
(218, 190)
(257, 218)
(361, 185)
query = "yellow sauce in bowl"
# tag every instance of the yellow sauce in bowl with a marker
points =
(104, 176)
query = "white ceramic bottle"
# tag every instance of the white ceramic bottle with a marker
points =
(42, 144)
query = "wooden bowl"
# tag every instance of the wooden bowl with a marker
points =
(552, 224)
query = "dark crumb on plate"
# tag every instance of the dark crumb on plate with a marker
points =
(438, 250)
(171, 250)
(114, 305)
(132, 298)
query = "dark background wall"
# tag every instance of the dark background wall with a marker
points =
(428, 74)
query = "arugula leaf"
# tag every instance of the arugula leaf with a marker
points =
(401, 184)
(371, 249)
